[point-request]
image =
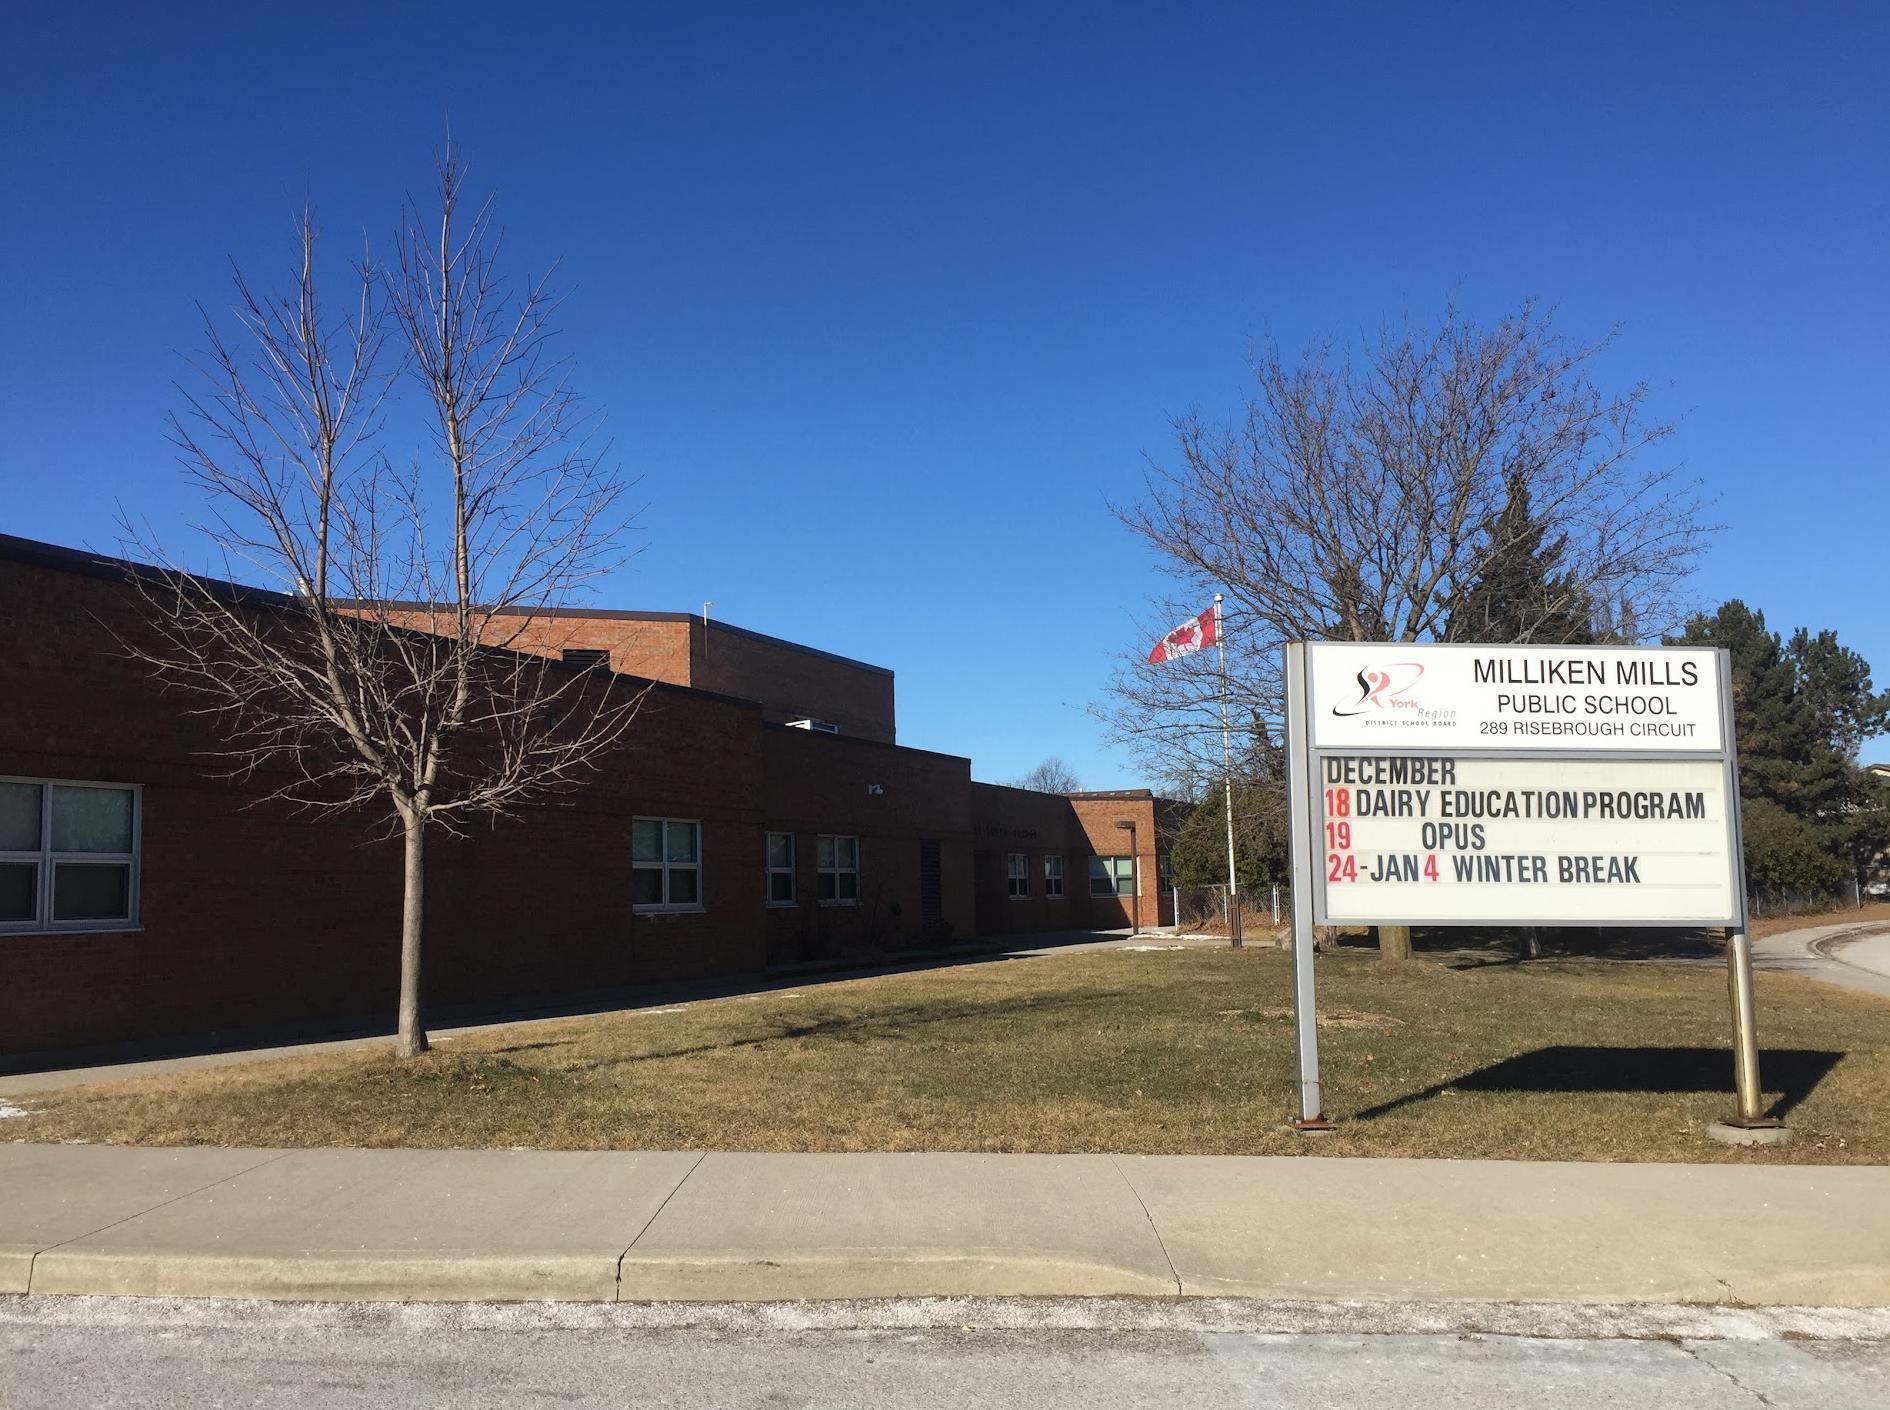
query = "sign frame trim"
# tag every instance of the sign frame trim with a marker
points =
(1310, 757)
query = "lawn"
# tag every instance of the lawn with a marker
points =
(1134, 1051)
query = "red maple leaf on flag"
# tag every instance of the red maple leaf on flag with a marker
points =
(1186, 639)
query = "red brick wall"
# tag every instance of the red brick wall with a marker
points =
(824, 784)
(788, 681)
(793, 684)
(655, 649)
(257, 914)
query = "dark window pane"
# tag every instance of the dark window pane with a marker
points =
(646, 886)
(646, 840)
(91, 819)
(781, 886)
(824, 848)
(19, 817)
(88, 891)
(682, 886)
(19, 891)
(682, 842)
(780, 849)
(849, 886)
(825, 892)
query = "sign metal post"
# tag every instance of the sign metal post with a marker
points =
(1300, 783)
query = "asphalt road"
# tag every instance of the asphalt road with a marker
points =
(96, 1353)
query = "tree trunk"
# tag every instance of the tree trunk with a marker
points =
(1394, 944)
(413, 906)
(1531, 937)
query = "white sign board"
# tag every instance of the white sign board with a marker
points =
(1569, 698)
(1523, 841)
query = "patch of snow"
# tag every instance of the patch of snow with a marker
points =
(678, 1009)
(8, 1110)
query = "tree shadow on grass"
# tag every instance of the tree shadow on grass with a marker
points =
(888, 1025)
(1791, 1072)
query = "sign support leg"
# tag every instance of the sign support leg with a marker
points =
(1751, 1127)
(1310, 1118)
(1745, 1026)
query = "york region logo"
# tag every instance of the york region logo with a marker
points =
(1386, 687)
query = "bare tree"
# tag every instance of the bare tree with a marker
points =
(384, 679)
(1051, 776)
(1365, 493)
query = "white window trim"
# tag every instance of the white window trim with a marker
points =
(770, 872)
(1014, 874)
(1048, 877)
(853, 871)
(45, 859)
(666, 906)
(1116, 879)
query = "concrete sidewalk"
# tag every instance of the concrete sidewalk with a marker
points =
(630, 1227)
(1854, 955)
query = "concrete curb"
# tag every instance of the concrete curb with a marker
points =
(1815, 952)
(477, 1226)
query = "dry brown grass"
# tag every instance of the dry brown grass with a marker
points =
(1183, 1050)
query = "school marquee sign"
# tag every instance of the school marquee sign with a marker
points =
(1518, 785)
(1513, 785)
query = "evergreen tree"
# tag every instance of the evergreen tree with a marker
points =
(1199, 855)
(1520, 592)
(1800, 712)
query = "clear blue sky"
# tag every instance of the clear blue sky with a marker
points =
(884, 301)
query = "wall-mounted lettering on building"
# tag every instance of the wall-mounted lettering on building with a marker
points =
(1015, 834)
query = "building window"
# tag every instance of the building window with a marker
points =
(1053, 878)
(780, 868)
(839, 866)
(1112, 876)
(586, 657)
(68, 856)
(666, 864)
(1017, 868)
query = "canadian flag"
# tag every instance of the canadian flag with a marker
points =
(1189, 637)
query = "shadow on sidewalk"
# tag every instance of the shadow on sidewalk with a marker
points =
(1791, 1072)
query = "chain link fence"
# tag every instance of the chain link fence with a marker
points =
(1265, 914)
(1793, 902)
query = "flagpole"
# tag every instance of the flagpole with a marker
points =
(1227, 784)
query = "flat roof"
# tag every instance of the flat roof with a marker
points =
(102, 565)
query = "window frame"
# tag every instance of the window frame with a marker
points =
(821, 873)
(1053, 878)
(1016, 872)
(665, 866)
(770, 871)
(1115, 875)
(46, 862)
